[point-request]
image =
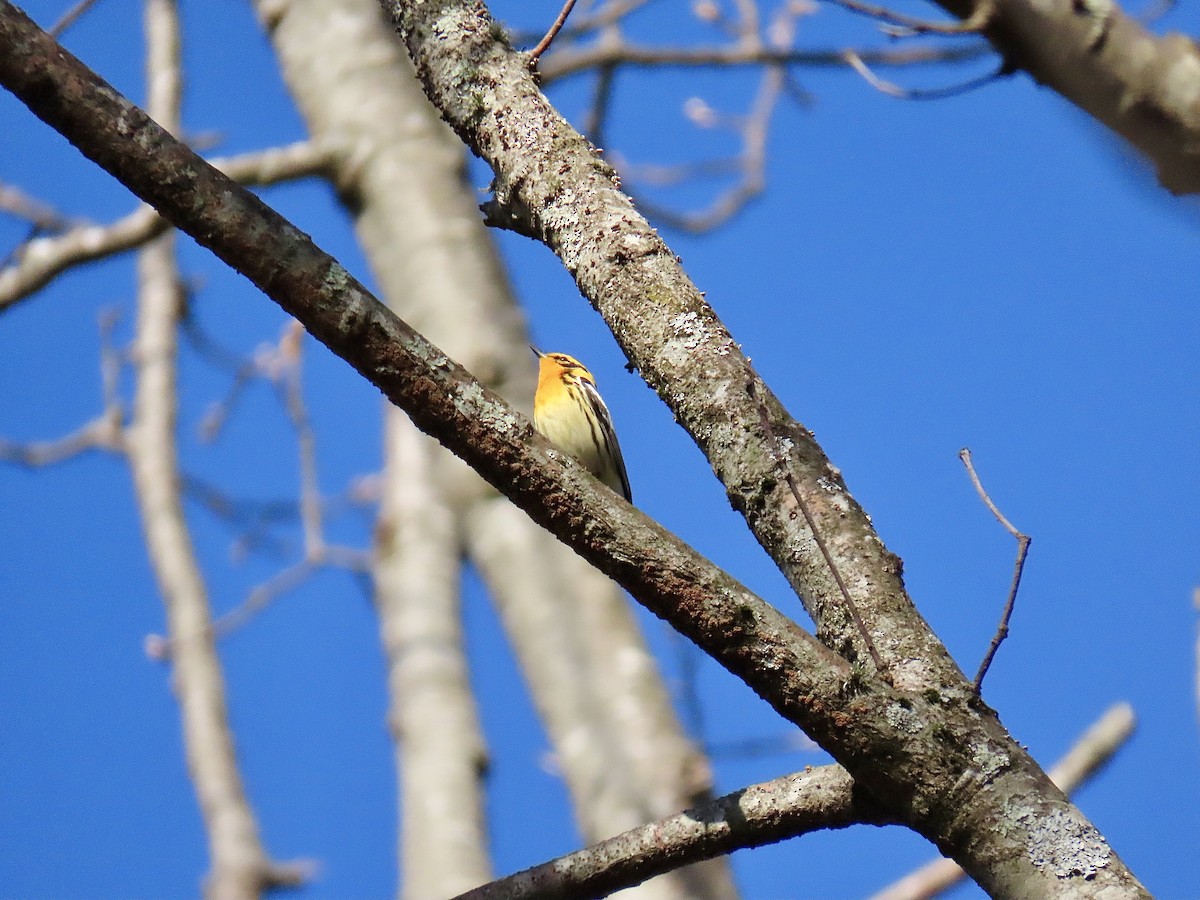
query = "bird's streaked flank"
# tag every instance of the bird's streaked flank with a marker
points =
(568, 410)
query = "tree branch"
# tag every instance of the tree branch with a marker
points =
(684, 352)
(564, 63)
(812, 800)
(417, 218)
(240, 867)
(1090, 754)
(1145, 88)
(952, 771)
(819, 798)
(42, 260)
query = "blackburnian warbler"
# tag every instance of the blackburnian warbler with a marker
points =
(567, 409)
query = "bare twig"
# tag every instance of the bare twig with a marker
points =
(586, 22)
(596, 117)
(105, 432)
(1023, 542)
(851, 608)
(41, 260)
(550, 35)
(795, 741)
(70, 17)
(973, 24)
(291, 344)
(282, 365)
(624, 53)
(348, 559)
(39, 214)
(855, 61)
(754, 130)
(251, 520)
(1090, 754)
(101, 433)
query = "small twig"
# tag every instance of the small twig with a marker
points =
(545, 42)
(1023, 542)
(37, 262)
(690, 708)
(565, 63)
(101, 433)
(355, 562)
(291, 345)
(894, 90)
(973, 24)
(41, 215)
(753, 128)
(105, 432)
(587, 22)
(851, 607)
(795, 741)
(70, 17)
(597, 114)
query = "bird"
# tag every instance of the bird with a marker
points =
(569, 412)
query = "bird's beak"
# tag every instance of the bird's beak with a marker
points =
(536, 352)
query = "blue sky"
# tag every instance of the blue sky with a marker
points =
(991, 271)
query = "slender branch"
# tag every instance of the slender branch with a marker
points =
(1023, 542)
(161, 648)
(42, 260)
(815, 799)
(1091, 753)
(439, 746)
(566, 63)
(290, 354)
(102, 433)
(894, 90)
(974, 23)
(282, 364)
(41, 215)
(851, 607)
(70, 17)
(546, 41)
(239, 867)
(596, 117)
(751, 165)
(606, 16)
(819, 798)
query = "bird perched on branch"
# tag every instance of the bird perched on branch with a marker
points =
(568, 410)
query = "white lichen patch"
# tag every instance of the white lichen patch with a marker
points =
(988, 761)
(1067, 845)
(902, 718)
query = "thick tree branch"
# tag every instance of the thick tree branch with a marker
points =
(1090, 754)
(818, 798)
(550, 182)
(951, 770)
